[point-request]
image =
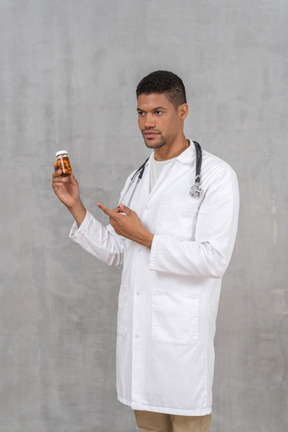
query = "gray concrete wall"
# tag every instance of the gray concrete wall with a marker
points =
(67, 79)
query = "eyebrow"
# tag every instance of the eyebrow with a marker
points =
(154, 109)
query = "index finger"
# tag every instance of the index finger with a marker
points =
(105, 209)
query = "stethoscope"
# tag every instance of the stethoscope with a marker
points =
(195, 190)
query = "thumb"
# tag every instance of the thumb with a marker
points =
(125, 209)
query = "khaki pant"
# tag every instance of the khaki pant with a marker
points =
(157, 422)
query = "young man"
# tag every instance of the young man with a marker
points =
(175, 247)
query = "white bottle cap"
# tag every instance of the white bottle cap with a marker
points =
(61, 152)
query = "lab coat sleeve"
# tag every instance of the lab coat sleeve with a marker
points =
(216, 227)
(100, 241)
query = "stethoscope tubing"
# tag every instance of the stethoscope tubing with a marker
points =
(195, 191)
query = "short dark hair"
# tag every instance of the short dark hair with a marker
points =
(163, 82)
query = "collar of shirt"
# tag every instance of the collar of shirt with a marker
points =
(188, 155)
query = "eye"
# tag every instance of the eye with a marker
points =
(158, 112)
(140, 113)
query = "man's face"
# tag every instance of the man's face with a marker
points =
(158, 119)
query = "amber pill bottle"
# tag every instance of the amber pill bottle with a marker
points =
(63, 163)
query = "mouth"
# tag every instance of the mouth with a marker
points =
(150, 134)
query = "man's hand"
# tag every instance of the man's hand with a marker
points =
(127, 224)
(67, 190)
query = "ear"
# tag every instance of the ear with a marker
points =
(183, 111)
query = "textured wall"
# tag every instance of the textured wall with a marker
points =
(67, 79)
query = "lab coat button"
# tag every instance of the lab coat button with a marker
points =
(138, 292)
(136, 336)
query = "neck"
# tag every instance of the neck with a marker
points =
(169, 152)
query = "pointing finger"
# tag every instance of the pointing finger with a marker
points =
(105, 209)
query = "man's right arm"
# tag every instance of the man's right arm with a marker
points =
(100, 241)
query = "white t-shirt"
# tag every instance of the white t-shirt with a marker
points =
(156, 168)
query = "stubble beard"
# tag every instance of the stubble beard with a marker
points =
(155, 145)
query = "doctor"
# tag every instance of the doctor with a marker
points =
(174, 248)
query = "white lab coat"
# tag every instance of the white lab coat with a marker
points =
(169, 295)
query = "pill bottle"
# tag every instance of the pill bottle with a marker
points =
(63, 163)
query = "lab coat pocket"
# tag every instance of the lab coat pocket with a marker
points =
(122, 310)
(177, 218)
(175, 318)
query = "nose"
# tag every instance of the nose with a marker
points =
(149, 121)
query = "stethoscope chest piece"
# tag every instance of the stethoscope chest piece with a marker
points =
(196, 191)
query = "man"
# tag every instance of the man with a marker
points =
(175, 248)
